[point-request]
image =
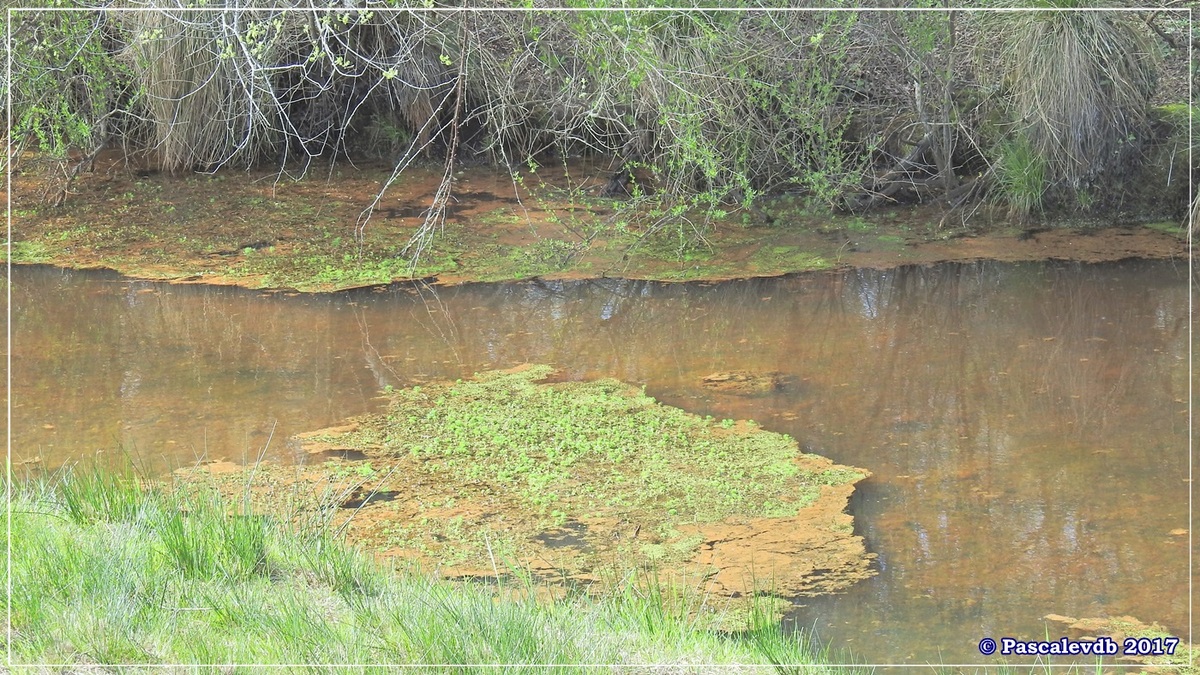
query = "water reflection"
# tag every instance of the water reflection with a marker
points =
(1026, 424)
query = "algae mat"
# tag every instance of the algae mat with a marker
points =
(574, 481)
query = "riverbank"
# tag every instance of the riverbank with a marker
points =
(1113, 335)
(112, 571)
(259, 230)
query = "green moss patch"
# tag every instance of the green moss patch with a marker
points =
(595, 447)
(1172, 228)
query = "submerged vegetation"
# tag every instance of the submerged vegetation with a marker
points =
(696, 114)
(109, 571)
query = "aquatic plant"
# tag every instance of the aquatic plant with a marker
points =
(599, 442)
(593, 478)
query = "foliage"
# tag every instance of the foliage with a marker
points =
(66, 81)
(700, 111)
(1021, 178)
(70, 93)
(724, 105)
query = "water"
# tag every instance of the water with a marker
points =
(1026, 425)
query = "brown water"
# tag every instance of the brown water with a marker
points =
(1026, 424)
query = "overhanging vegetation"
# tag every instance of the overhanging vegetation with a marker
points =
(699, 111)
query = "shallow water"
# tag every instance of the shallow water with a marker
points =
(1026, 424)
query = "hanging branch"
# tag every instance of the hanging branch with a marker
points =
(435, 217)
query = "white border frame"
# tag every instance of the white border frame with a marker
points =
(9, 476)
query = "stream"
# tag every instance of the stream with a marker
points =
(1026, 424)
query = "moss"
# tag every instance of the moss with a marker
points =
(1171, 228)
(779, 259)
(1175, 114)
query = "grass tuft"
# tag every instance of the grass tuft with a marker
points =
(1022, 179)
(1078, 86)
(90, 497)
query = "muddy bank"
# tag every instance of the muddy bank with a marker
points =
(576, 482)
(260, 231)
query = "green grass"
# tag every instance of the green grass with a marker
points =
(1168, 227)
(1176, 114)
(31, 252)
(857, 224)
(1021, 178)
(108, 571)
